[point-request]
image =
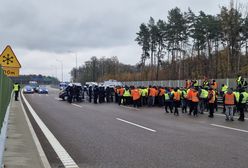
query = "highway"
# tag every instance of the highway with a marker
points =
(112, 136)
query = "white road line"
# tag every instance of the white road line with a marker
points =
(56, 98)
(76, 105)
(137, 125)
(235, 129)
(223, 115)
(132, 108)
(41, 152)
(65, 158)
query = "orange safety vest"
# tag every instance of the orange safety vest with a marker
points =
(229, 99)
(176, 96)
(162, 91)
(152, 92)
(189, 95)
(212, 100)
(135, 94)
(121, 91)
(195, 97)
(215, 85)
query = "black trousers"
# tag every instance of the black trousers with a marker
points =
(242, 111)
(168, 104)
(16, 95)
(195, 108)
(211, 109)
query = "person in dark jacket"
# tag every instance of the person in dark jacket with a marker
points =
(108, 94)
(90, 93)
(96, 94)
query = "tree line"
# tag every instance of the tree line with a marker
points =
(186, 45)
(189, 45)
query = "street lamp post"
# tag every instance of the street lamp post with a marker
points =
(62, 75)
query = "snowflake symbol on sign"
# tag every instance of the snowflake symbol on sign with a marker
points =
(8, 59)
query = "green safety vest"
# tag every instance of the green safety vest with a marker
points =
(166, 96)
(245, 98)
(224, 88)
(204, 94)
(144, 92)
(196, 84)
(236, 96)
(183, 94)
(126, 93)
(16, 87)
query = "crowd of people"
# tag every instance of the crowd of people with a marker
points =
(193, 98)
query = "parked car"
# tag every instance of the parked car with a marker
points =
(42, 90)
(78, 90)
(28, 89)
(34, 85)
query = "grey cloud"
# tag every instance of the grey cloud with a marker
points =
(59, 26)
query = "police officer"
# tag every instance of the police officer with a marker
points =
(96, 93)
(69, 91)
(108, 94)
(90, 93)
(242, 103)
(101, 94)
(16, 90)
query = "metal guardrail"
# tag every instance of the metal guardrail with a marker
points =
(180, 83)
(6, 87)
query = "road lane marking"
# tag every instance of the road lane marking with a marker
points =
(137, 125)
(132, 108)
(57, 98)
(63, 155)
(223, 115)
(76, 105)
(235, 129)
(41, 152)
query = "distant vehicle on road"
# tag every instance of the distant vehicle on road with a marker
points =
(112, 83)
(63, 85)
(34, 85)
(43, 90)
(28, 89)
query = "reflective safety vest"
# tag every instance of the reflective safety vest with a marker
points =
(135, 94)
(189, 94)
(212, 93)
(236, 96)
(224, 88)
(167, 96)
(194, 97)
(183, 95)
(204, 94)
(176, 96)
(126, 93)
(144, 92)
(120, 91)
(16, 87)
(162, 91)
(229, 99)
(152, 92)
(245, 97)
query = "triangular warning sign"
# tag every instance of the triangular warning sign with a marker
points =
(9, 59)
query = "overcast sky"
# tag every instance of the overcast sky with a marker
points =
(45, 34)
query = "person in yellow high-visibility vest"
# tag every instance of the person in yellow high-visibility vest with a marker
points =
(16, 90)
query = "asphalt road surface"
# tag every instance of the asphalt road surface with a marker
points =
(111, 136)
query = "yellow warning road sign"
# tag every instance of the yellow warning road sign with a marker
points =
(9, 59)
